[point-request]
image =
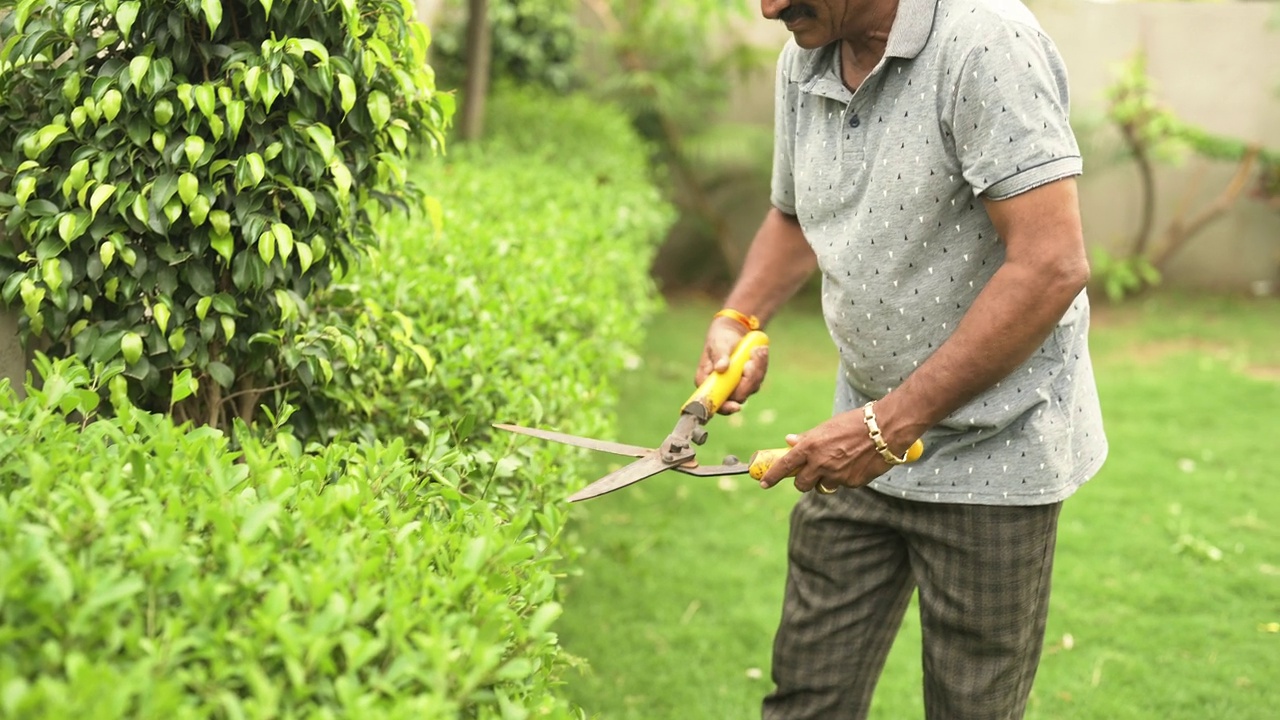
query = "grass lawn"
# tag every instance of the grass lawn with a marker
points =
(1167, 584)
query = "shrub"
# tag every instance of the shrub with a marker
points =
(527, 295)
(533, 42)
(185, 173)
(148, 570)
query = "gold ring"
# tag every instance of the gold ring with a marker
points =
(824, 489)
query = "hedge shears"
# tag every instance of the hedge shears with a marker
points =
(677, 450)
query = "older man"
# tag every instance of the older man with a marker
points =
(925, 165)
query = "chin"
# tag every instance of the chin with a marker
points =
(810, 41)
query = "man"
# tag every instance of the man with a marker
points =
(924, 164)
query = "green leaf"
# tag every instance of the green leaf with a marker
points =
(221, 374)
(110, 103)
(125, 16)
(307, 199)
(220, 220)
(223, 244)
(205, 99)
(184, 385)
(193, 148)
(235, 117)
(131, 347)
(379, 108)
(160, 312)
(101, 194)
(188, 188)
(347, 92)
(212, 13)
(51, 273)
(228, 326)
(202, 307)
(267, 247)
(163, 112)
(322, 137)
(284, 240)
(341, 177)
(138, 70)
(198, 209)
(304, 256)
(106, 253)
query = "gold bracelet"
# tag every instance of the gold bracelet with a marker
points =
(873, 429)
(750, 322)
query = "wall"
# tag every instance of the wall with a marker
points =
(1216, 65)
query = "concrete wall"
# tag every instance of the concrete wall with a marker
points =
(1215, 64)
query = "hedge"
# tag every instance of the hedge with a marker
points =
(405, 566)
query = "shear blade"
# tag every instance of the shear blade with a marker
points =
(577, 441)
(622, 477)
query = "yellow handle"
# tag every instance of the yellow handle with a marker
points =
(762, 460)
(717, 388)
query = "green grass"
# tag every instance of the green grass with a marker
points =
(1168, 570)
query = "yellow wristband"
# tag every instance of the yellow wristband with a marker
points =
(750, 322)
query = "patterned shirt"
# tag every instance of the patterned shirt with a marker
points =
(969, 101)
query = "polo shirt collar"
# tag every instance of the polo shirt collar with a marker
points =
(912, 25)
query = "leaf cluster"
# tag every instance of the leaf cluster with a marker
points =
(516, 297)
(185, 174)
(151, 570)
(533, 42)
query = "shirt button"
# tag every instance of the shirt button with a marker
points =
(854, 121)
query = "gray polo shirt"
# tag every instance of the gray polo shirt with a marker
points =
(969, 101)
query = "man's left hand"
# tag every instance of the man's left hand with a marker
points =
(839, 452)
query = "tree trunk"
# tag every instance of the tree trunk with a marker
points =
(479, 57)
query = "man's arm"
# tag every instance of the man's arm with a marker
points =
(777, 265)
(1045, 268)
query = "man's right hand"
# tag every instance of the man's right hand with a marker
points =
(722, 338)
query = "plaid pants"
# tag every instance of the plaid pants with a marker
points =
(855, 557)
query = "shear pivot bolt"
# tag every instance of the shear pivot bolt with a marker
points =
(698, 436)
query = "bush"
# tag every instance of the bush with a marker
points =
(526, 296)
(181, 175)
(534, 42)
(148, 570)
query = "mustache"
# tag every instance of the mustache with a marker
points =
(796, 12)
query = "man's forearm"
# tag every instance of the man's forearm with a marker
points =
(1010, 318)
(777, 265)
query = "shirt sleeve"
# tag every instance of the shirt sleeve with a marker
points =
(1011, 114)
(783, 184)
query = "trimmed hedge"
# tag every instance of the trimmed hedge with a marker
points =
(154, 570)
(528, 289)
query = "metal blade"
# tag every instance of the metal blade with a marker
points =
(589, 443)
(730, 466)
(622, 477)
